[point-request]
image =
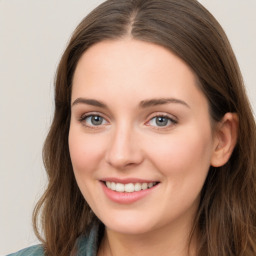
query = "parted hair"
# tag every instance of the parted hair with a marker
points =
(225, 223)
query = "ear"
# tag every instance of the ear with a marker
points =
(225, 139)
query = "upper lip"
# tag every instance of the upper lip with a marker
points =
(128, 180)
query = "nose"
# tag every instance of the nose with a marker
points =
(124, 148)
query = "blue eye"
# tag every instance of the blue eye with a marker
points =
(94, 120)
(161, 121)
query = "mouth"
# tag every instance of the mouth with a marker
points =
(129, 187)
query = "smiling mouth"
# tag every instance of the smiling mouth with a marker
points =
(129, 187)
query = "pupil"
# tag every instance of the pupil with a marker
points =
(96, 120)
(161, 121)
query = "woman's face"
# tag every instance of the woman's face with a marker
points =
(139, 125)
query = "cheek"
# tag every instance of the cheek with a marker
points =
(85, 151)
(183, 153)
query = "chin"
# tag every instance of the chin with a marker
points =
(123, 228)
(132, 225)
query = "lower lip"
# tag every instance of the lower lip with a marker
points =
(125, 197)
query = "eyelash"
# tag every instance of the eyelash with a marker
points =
(83, 118)
(171, 121)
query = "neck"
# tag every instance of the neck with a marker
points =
(166, 241)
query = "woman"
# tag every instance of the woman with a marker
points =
(152, 149)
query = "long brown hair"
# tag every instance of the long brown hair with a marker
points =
(226, 218)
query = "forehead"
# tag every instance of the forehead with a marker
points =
(136, 55)
(128, 67)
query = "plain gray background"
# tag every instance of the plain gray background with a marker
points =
(33, 35)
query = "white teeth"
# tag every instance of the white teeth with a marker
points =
(113, 185)
(108, 183)
(150, 185)
(129, 187)
(144, 186)
(119, 187)
(137, 187)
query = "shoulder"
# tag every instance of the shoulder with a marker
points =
(36, 250)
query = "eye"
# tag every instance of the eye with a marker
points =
(161, 121)
(93, 120)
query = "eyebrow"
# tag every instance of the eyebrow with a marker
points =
(142, 104)
(91, 102)
(161, 101)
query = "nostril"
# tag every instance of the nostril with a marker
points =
(123, 151)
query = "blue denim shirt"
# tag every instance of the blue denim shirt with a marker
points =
(87, 245)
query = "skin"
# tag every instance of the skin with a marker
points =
(129, 143)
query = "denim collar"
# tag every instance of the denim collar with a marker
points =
(88, 244)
